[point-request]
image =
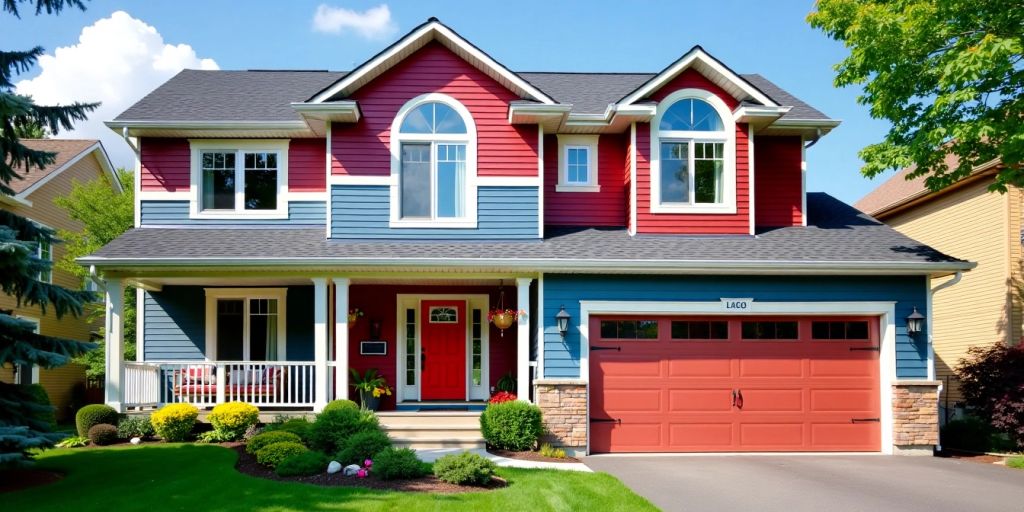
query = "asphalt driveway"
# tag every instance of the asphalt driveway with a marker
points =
(817, 483)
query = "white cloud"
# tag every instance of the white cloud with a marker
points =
(117, 61)
(373, 23)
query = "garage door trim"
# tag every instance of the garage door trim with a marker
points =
(885, 310)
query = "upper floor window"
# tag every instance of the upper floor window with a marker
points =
(45, 252)
(434, 160)
(235, 179)
(577, 163)
(692, 165)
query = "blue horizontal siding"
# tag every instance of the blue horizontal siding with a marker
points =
(364, 211)
(163, 213)
(562, 356)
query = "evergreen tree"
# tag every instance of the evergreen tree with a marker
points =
(21, 425)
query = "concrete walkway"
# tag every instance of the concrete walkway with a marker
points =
(430, 455)
(788, 483)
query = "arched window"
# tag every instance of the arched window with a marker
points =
(434, 147)
(692, 166)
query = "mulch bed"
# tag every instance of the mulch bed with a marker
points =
(971, 457)
(530, 456)
(21, 479)
(247, 464)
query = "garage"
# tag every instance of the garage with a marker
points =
(734, 384)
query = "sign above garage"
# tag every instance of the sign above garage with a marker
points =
(737, 305)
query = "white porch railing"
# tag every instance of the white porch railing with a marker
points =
(203, 384)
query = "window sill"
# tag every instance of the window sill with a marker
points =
(432, 224)
(268, 215)
(577, 188)
(721, 209)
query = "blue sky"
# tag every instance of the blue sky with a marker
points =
(770, 38)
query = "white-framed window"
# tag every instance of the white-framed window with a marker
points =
(577, 164)
(245, 324)
(693, 148)
(433, 164)
(44, 250)
(239, 179)
(27, 374)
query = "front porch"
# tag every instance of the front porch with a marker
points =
(287, 344)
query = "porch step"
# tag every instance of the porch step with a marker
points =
(428, 418)
(433, 429)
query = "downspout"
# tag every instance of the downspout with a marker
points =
(95, 278)
(128, 140)
(817, 137)
(931, 345)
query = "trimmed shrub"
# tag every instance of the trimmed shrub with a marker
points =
(303, 464)
(398, 464)
(257, 443)
(331, 428)
(340, 404)
(551, 452)
(273, 454)
(103, 434)
(362, 446)
(174, 422)
(298, 426)
(92, 415)
(465, 468)
(511, 425)
(992, 383)
(970, 433)
(232, 419)
(134, 426)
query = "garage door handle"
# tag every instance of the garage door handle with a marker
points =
(734, 398)
(739, 399)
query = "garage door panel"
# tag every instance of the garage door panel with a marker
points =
(843, 368)
(700, 436)
(770, 367)
(845, 436)
(700, 400)
(630, 367)
(630, 400)
(626, 437)
(852, 400)
(700, 367)
(773, 400)
(772, 436)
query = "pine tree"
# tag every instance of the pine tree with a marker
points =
(22, 427)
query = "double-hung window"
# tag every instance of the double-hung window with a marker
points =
(245, 324)
(577, 163)
(240, 179)
(693, 170)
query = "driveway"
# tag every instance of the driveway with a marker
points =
(817, 483)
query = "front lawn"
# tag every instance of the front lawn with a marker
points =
(197, 477)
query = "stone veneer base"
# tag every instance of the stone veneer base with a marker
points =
(915, 414)
(563, 404)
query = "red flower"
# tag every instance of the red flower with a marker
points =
(502, 396)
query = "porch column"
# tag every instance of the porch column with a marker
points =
(523, 339)
(320, 382)
(114, 344)
(341, 285)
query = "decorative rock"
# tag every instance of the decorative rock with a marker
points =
(333, 467)
(136, 440)
(351, 469)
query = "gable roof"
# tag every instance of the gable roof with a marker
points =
(68, 152)
(898, 191)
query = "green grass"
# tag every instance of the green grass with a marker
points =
(1015, 462)
(193, 477)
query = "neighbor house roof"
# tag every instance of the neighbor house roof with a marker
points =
(898, 191)
(66, 150)
(837, 237)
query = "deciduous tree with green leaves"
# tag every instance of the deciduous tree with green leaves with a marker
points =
(22, 427)
(947, 74)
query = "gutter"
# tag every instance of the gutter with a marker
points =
(931, 346)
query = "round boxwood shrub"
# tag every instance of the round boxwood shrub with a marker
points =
(361, 446)
(92, 415)
(298, 426)
(464, 468)
(134, 426)
(232, 419)
(511, 425)
(340, 404)
(303, 464)
(174, 422)
(331, 428)
(272, 455)
(257, 443)
(398, 464)
(103, 434)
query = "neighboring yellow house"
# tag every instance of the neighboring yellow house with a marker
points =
(974, 224)
(77, 160)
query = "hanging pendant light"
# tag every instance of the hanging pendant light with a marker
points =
(502, 317)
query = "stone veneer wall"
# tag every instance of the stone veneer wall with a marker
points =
(563, 403)
(915, 414)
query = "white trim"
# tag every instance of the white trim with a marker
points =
(523, 338)
(341, 338)
(885, 310)
(196, 149)
(429, 31)
(696, 54)
(540, 178)
(632, 179)
(138, 181)
(469, 218)
(751, 191)
(727, 136)
(588, 142)
(114, 343)
(305, 196)
(321, 341)
(349, 179)
(214, 294)
(508, 181)
(328, 161)
(540, 327)
(928, 327)
(164, 195)
(140, 325)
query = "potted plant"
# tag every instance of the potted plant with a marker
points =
(353, 315)
(371, 386)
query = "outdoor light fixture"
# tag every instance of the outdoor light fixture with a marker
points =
(563, 321)
(915, 322)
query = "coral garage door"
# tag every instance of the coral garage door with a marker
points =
(706, 384)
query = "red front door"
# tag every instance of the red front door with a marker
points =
(443, 365)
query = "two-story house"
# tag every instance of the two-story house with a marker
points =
(676, 287)
(34, 194)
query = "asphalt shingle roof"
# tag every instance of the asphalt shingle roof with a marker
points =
(837, 234)
(66, 149)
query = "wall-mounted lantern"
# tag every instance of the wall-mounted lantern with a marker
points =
(915, 322)
(563, 321)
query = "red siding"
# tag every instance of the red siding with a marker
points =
(502, 149)
(647, 222)
(604, 208)
(778, 182)
(165, 165)
(307, 165)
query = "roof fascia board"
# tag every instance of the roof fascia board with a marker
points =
(686, 61)
(14, 200)
(104, 164)
(430, 30)
(206, 125)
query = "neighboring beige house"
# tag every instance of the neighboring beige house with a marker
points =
(968, 221)
(77, 160)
